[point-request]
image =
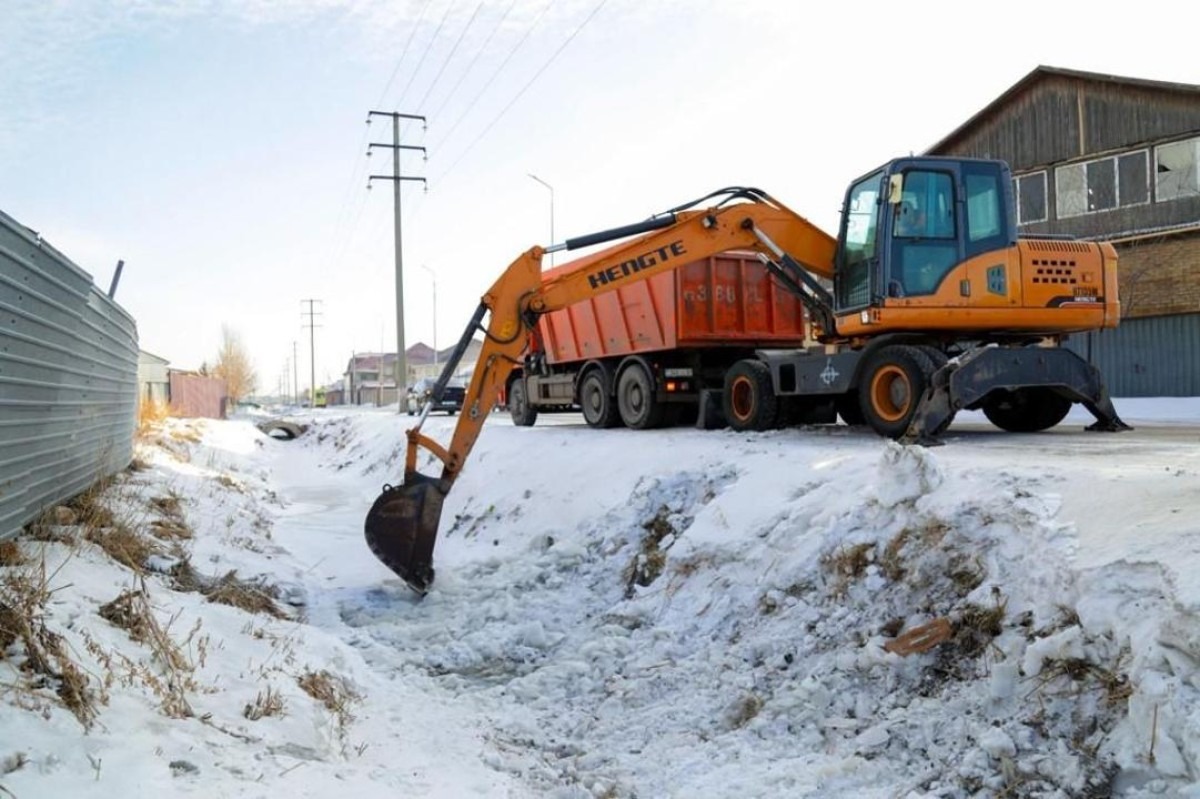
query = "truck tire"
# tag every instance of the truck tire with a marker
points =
(749, 399)
(890, 388)
(1026, 410)
(599, 407)
(636, 403)
(523, 414)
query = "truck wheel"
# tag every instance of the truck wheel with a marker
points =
(749, 399)
(891, 386)
(636, 402)
(523, 414)
(1026, 410)
(599, 407)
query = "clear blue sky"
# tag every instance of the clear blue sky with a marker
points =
(219, 147)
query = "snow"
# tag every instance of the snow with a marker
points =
(668, 613)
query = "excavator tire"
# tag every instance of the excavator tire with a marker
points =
(749, 399)
(1026, 410)
(890, 388)
(599, 407)
(523, 414)
(639, 408)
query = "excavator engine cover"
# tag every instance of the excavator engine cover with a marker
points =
(402, 528)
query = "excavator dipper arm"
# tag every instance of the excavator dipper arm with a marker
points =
(402, 525)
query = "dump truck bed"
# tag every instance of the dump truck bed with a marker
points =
(725, 300)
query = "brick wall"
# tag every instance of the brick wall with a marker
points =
(1160, 276)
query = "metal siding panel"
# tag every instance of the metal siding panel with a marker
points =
(1150, 357)
(68, 379)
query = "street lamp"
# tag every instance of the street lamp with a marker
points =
(551, 188)
(433, 275)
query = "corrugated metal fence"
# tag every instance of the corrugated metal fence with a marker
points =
(68, 379)
(1150, 357)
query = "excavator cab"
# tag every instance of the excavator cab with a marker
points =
(908, 225)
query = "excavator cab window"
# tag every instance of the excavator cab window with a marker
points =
(924, 243)
(859, 250)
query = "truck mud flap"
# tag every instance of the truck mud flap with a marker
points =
(966, 380)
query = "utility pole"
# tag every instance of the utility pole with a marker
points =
(295, 375)
(312, 351)
(397, 179)
(433, 275)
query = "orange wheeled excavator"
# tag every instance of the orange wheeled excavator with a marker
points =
(925, 304)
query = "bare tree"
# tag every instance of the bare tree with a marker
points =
(233, 366)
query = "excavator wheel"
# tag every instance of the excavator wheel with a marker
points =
(890, 388)
(749, 398)
(639, 408)
(523, 414)
(1026, 410)
(599, 407)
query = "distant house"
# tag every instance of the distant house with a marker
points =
(370, 379)
(154, 385)
(1117, 159)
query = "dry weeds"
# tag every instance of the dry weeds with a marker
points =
(331, 691)
(11, 554)
(252, 596)
(43, 656)
(267, 703)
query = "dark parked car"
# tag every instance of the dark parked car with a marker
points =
(422, 391)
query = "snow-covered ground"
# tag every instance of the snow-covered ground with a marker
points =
(669, 613)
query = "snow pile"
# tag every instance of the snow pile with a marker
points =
(658, 613)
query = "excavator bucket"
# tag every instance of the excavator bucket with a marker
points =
(402, 527)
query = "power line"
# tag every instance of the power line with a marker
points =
(348, 216)
(471, 104)
(403, 53)
(453, 50)
(479, 51)
(428, 47)
(524, 88)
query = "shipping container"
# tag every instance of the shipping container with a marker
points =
(642, 355)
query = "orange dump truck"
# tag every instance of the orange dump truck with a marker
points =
(647, 353)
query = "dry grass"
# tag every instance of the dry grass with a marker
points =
(267, 703)
(171, 524)
(848, 564)
(173, 680)
(651, 560)
(252, 596)
(150, 417)
(331, 691)
(123, 544)
(43, 653)
(11, 554)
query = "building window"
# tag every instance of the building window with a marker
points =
(1102, 184)
(1031, 198)
(1176, 167)
(1133, 178)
